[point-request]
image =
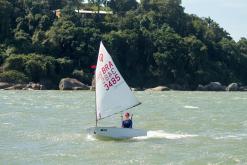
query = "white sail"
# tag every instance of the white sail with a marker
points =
(112, 92)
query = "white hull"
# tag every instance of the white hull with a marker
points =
(116, 133)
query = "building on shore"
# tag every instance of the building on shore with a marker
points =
(84, 12)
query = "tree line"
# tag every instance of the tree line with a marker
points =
(153, 42)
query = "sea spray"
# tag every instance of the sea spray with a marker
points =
(160, 134)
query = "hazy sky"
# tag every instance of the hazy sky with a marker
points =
(230, 14)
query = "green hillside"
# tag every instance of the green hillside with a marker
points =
(153, 43)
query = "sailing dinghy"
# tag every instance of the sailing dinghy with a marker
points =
(113, 96)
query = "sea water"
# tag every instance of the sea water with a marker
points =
(193, 128)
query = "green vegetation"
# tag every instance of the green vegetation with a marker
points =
(153, 43)
(13, 76)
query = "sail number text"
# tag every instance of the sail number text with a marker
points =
(112, 82)
(108, 75)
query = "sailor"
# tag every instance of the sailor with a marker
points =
(127, 122)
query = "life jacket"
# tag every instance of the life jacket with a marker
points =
(127, 123)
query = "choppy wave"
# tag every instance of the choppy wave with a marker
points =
(239, 98)
(61, 155)
(190, 107)
(6, 125)
(231, 137)
(55, 137)
(244, 123)
(162, 134)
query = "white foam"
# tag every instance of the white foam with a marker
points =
(228, 137)
(190, 107)
(239, 98)
(232, 137)
(161, 134)
(90, 137)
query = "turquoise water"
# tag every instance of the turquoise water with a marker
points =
(194, 128)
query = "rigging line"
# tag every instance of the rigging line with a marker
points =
(119, 112)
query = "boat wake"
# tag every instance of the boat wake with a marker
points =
(231, 137)
(160, 134)
(91, 138)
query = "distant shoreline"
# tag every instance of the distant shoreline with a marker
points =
(77, 85)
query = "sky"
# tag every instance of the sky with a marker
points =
(229, 14)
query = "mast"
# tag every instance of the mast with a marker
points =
(96, 120)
